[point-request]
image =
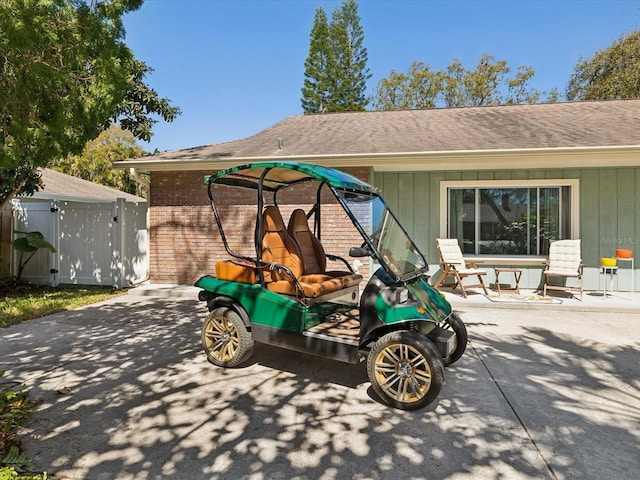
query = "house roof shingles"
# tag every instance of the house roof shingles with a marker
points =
(62, 186)
(504, 127)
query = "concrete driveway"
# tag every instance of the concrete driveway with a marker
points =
(126, 393)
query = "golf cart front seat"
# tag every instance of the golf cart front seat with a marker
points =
(314, 258)
(280, 250)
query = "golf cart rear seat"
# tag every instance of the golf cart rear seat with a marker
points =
(286, 275)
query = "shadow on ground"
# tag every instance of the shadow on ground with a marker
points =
(144, 403)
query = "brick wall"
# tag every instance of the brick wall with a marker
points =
(184, 240)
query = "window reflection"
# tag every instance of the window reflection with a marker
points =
(508, 221)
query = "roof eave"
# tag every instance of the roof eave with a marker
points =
(59, 197)
(496, 159)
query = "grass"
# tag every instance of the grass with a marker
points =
(24, 302)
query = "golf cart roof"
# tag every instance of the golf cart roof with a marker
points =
(283, 174)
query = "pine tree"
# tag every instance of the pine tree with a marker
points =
(315, 91)
(350, 73)
(336, 70)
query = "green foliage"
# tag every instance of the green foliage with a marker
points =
(95, 163)
(336, 69)
(30, 244)
(15, 410)
(141, 103)
(350, 73)
(10, 473)
(316, 90)
(59, 81)
(66, 75)
(17, 460)
(24, 179)
(611, 73)
(486, 84)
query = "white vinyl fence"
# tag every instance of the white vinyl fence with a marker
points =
(96, 243)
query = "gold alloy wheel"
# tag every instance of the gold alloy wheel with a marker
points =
(402, 372)
(221, 338)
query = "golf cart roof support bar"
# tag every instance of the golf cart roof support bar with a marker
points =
(259, 226)
(217, 217)
(317, 209)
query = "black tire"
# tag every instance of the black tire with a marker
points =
(455, 323)
(225, 338)
(405, 370)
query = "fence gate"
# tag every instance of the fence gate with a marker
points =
(96, 243)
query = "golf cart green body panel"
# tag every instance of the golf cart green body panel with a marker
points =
(271, 309)
(262, 306)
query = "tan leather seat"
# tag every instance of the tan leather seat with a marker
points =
(236, 271)
(278, 247)
(314, 258)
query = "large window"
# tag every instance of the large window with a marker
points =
(516, 219)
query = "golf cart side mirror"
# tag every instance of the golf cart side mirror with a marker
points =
(359, 252)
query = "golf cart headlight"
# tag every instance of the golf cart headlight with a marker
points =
(402, 295)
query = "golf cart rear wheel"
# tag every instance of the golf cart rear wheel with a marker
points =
(225, 338)
(455, 323)
(405, 370)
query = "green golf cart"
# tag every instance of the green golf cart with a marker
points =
(282, 293)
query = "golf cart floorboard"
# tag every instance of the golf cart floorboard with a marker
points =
(346, 327)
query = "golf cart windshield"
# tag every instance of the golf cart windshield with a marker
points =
(384, 234)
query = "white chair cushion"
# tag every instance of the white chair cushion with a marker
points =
(450, 252)
(565, 257)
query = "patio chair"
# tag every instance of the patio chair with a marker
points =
(454, 265)
(564, 262)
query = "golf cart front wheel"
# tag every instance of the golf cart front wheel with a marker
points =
(225, 338)
(405, 370)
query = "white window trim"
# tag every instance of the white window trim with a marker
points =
(574, 183)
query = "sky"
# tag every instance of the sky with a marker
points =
(236, 67)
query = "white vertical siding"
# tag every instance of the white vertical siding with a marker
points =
(97, 243)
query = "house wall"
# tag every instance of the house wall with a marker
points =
(608, 210)
(185, 243)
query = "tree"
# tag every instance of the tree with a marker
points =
(611, 73)
(315, 90)
(456, 86)
(419, 88)
(66, 75)
(23, 178)
(335, 70)
(349, 73)
(95, 163)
